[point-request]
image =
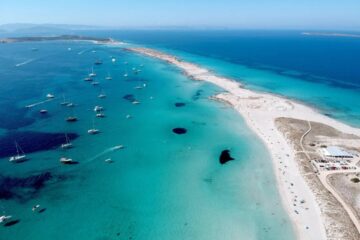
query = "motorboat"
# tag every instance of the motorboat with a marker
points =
(65, 160)
(71, 119)
(98, 62)
(4, 218)
(93, 131)
(102, 95)
(117, 147)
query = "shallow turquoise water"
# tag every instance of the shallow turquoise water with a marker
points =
(328, 97)
(161, 185)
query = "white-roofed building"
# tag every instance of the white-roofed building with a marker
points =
(335, 152)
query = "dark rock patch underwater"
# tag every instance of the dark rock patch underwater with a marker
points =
(225, 157)
(197, 95)
(180, 104)
(179, 130)
(31, 141)
(22, 188)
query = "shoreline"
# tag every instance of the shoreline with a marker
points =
(260, 111)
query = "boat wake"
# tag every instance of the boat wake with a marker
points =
(83, 51)
(38, 103)
(24, 63)
(101, 154)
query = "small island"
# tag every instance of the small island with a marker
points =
(56, 38)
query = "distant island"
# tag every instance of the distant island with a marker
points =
(332, 34)
(56, 38)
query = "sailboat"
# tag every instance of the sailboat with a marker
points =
(64, 102)
(102, 95)
(67, 143)
(93, 130)
(108, 77)
(92, 74)
(98, 62)
(71, 118)
(20, 156)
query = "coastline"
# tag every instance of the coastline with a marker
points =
(260, 111)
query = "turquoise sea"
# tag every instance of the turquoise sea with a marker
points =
(161, 185)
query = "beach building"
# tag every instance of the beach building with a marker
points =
(333, 152)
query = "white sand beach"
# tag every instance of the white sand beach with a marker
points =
(260, 110)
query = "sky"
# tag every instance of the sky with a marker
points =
(248, 14)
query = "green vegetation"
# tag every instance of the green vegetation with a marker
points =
(355, 180)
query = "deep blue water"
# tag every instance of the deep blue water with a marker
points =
(321, 71)
(316, 57)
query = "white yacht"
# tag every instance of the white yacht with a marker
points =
(117, 147)
(4, 218)
(100, 115)
(65, 160)
(98, 109)
(49, 95)
(43, 111)
(67, 143)
(20, 156)
(102, 95)
(93, 131)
